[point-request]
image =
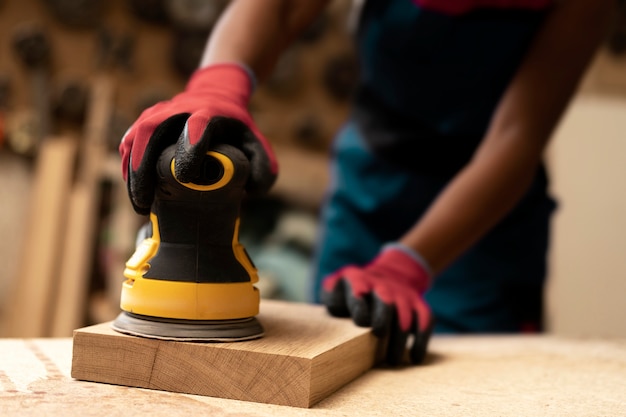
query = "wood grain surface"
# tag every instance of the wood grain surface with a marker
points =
(304, 356)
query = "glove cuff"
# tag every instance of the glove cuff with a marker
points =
(413, 254)
(251, 75)
(236, 80)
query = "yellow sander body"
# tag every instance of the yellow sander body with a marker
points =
(190, 278)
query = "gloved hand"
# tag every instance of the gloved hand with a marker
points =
(211, 109)
(387, 295)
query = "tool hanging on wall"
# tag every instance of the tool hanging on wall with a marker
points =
(150, 11)
(32, 47)
(114, 50)
(308, 132)
(340, 76)
(80, 14)
(192, 22)
(194, 15)
(190, 278)
(69, 100)
(316, 30)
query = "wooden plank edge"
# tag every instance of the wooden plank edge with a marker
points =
(330, 374)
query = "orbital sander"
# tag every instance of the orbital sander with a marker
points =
(190, 279)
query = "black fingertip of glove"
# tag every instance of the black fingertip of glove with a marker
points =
(381, 317)
(232, 132)
(189, 158)
(335, 300)
(142, 182)
(420, 344)
(396, 345)
(261, 177)
(360, 307)
(147, 195)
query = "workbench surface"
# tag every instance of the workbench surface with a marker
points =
(465, 376)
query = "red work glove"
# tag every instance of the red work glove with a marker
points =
(212, 109)
(386, 294)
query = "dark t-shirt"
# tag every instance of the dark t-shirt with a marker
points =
(432, 73)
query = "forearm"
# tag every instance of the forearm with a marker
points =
(506, 161)
(255, 32)
(482, 194)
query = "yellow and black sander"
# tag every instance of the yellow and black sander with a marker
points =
(190, 279)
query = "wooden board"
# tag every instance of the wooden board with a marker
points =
(304, 356)
(39, 260)
(82, 223)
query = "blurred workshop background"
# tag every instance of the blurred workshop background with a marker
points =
(74, 74)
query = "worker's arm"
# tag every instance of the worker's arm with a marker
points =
(507, 159)
(387, 294)
(244, 46)
(255, 32)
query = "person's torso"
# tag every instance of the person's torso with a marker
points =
(443, 62)
(440, 66)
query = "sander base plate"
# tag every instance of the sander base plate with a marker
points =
(233, 330)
